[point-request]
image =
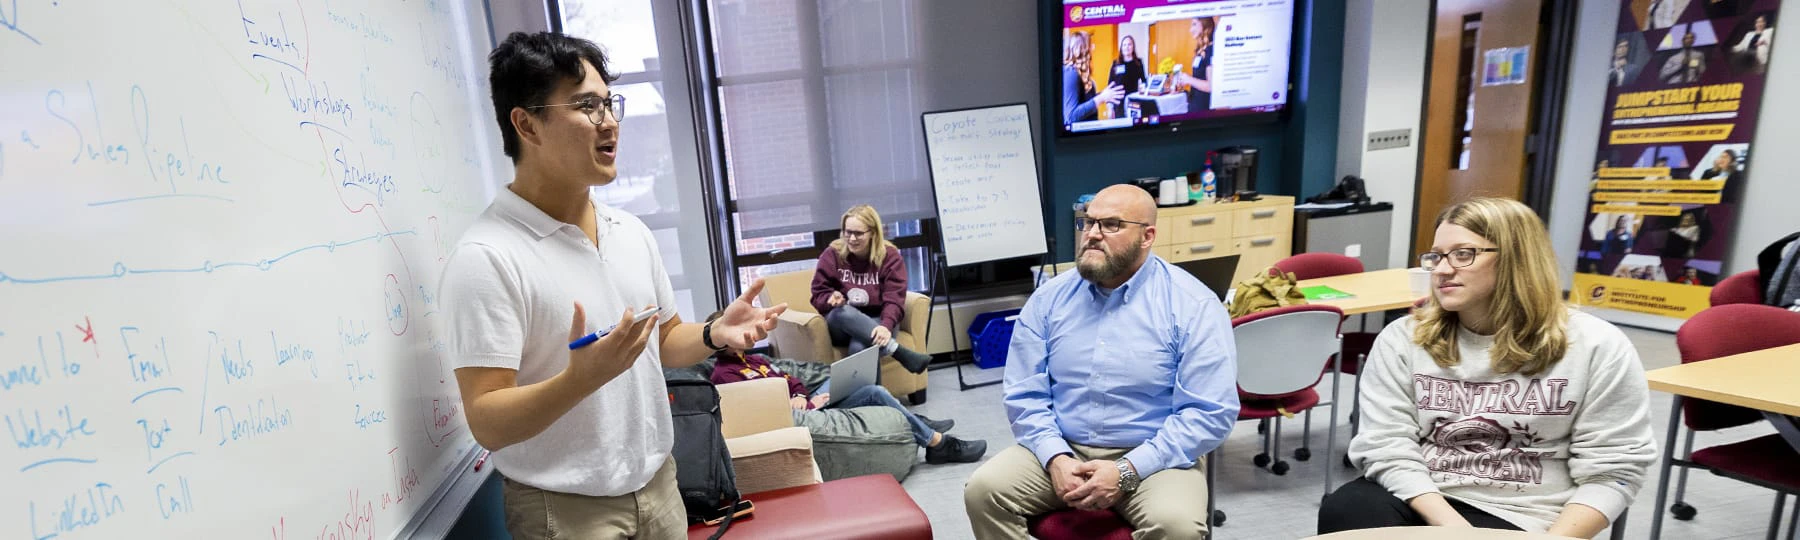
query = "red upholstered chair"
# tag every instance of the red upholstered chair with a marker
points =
(1739, 288)
(1766, 461)
(871, 507)
(1072, 524)
(1318, 265)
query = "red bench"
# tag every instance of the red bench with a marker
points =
(873, 507)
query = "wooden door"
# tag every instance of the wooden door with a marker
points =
(1475, 133)
(1171, 40)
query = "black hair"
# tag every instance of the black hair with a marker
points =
(526, 67)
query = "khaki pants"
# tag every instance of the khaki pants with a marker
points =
(1012, 487)
(654, 512)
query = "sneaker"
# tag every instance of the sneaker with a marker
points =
(940, 426)
(913, 361)
(954, 450)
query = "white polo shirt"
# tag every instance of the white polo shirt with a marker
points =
(509, 293)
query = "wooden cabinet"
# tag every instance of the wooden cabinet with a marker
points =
(1258, 232)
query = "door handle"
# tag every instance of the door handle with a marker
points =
(1200, 248)
(1260, 242)
(1204, 220)
(1259, 214)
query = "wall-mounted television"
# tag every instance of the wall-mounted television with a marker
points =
(1137, 64)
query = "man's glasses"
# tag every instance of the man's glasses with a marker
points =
(1107, 226)
(591, 106)
(1459, 257)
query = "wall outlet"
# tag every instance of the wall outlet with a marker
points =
(1353, 250)
(1393, 138)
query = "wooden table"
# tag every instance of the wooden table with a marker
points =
(1376, 291)
(1763, 380)
(1434, 533)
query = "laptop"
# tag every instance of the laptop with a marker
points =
(854, 372)
(1215, 272)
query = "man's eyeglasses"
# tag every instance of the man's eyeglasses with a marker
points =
(591, 106)
(1459, 257)
(1107, 226)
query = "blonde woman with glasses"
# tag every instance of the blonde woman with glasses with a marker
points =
(860, 286)
(1496, 405)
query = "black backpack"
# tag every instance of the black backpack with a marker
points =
(703, 472)
(1779, 283)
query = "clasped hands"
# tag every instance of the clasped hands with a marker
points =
(1085, 485)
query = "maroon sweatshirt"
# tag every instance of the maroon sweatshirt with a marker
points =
(880, 293)
(733, 366)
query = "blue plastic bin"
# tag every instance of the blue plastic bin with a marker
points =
(991, 334)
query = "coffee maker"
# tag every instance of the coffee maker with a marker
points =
(1236, 170)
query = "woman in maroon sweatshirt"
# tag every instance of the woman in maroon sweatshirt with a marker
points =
(860, 287)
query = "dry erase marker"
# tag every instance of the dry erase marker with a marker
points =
(481, 460)
(591, 338)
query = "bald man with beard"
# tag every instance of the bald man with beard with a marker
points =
(1119, 377)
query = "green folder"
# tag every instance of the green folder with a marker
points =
(1324, 292)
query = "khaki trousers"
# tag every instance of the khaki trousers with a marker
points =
(654, 512)
(1012, 487)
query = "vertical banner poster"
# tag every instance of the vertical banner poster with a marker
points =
(1683, 90)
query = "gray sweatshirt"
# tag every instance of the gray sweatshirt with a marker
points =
(1514, 446)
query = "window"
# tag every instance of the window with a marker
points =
(649, 172)
(1462, 135)
(819, 104)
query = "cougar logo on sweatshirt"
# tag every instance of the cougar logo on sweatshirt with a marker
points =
(1482, 448)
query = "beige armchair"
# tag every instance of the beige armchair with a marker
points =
(767, 450)
(801, 333)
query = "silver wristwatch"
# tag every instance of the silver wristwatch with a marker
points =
(1128, 477)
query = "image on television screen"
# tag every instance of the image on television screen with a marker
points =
(1129, 63)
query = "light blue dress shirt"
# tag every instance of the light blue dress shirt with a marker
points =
(1150, 366)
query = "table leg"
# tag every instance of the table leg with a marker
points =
(1668, 462)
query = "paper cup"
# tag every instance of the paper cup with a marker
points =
(1172, 192)
(1420, 281)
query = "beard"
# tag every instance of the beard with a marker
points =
(1115, 264)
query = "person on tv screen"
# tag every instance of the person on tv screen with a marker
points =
(1198, 80)
(1127, 72)
(1080, 101)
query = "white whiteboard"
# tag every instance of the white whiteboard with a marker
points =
(221, 228)
(985, 176)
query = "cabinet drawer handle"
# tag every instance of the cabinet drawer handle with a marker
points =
(1260, 242)
(1204, 248)
(1205, 220)
(1259, 214)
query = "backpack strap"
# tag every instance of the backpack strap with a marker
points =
(1769, 259)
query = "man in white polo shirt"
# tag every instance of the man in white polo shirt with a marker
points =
(583, 436)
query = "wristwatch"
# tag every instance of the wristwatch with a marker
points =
(707, 340)
(1128, 477)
